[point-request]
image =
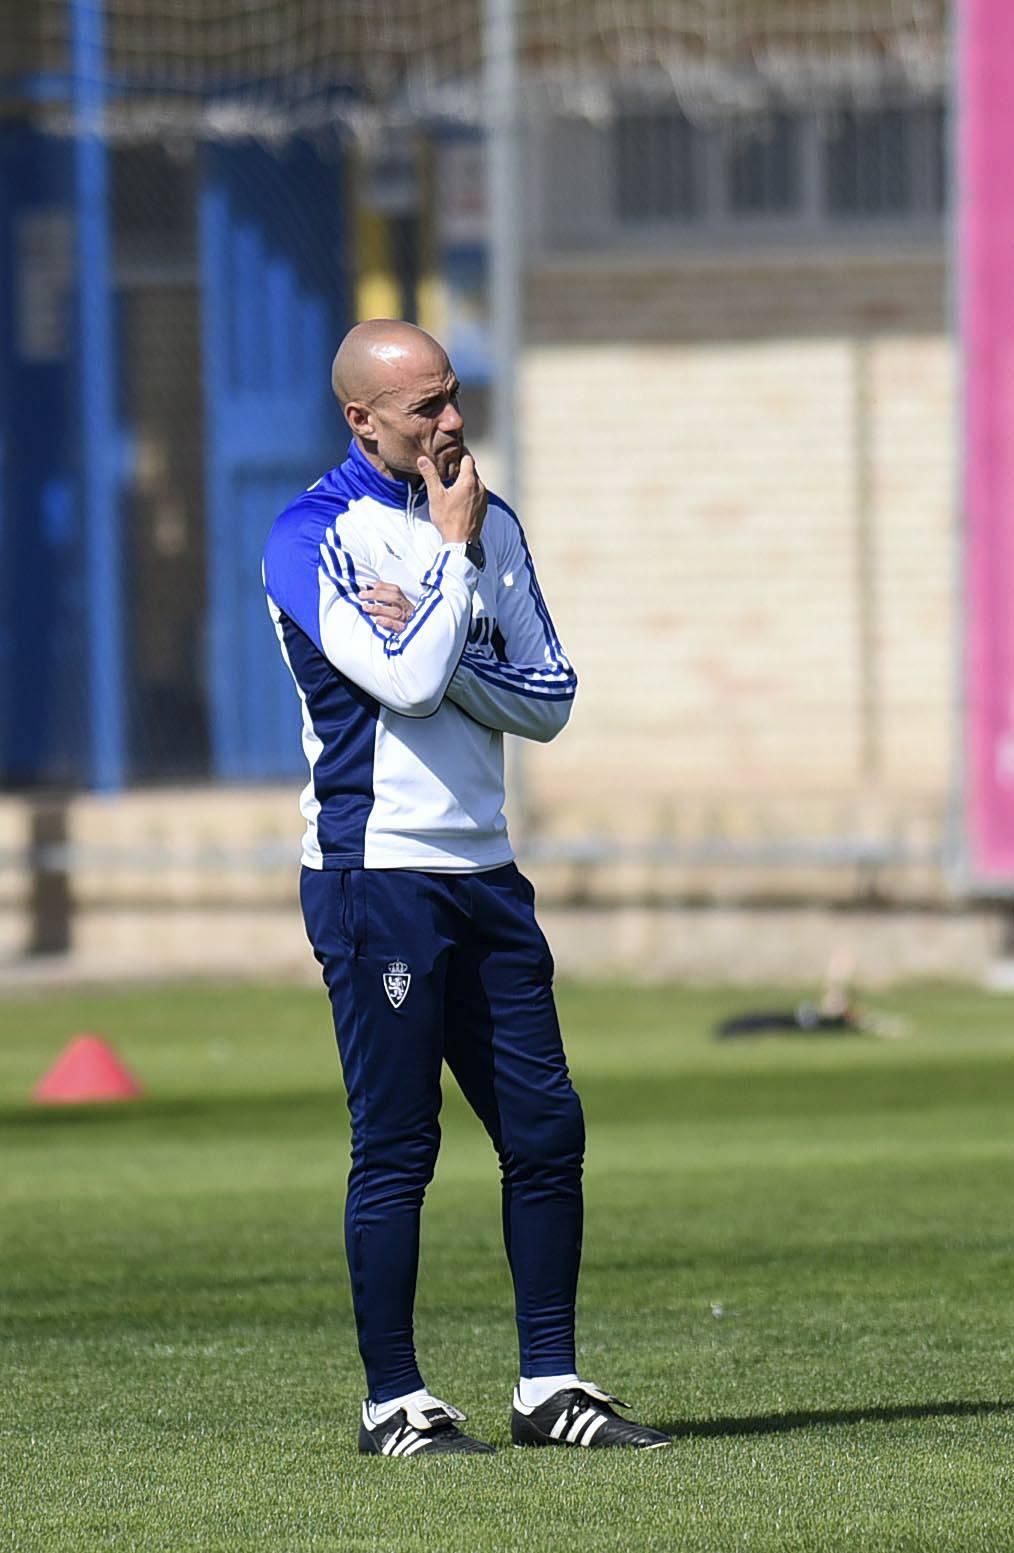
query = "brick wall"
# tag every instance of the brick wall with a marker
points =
(739, 485)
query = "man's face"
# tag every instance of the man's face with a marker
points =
(418, 415)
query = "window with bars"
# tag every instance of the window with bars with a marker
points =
(866, 169)
(657, 172)
(762, 166)
(885, 162)
(788, 168)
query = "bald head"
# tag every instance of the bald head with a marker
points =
(380, 356)
(399, 395)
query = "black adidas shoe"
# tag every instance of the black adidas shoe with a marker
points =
(581, 1415)
(429, 1430)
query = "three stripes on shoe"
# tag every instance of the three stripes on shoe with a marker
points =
(405, 1441)
(582, 1429)
(576, 1430)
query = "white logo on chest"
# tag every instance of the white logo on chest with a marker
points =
(397, 979)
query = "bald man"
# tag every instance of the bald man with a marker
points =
(407, 609)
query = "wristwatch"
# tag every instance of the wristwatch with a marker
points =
(476, 554)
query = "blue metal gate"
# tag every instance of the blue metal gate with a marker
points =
(44, 728)
(274, 306)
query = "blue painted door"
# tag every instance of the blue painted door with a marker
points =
(44, 733)
(274, 308)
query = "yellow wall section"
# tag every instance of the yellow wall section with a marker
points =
(431, 303)
(377, 294)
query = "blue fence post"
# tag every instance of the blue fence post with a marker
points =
(217, 302)
(96, 388)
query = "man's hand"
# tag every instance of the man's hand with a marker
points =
(457, 510)
(385, 603)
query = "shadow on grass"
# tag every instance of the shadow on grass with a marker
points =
(783, 1423)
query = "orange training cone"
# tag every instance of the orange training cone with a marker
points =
(86, 1070)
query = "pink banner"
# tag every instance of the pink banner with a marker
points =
(986, 238)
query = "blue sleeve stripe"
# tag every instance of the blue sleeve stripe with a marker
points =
(548, 672)
(396, 645)
(430, 599)
(436, 571)
(542, 693)
(513, 678)
(329, 556)
(353, 579)
(552, 640)
(350, 598)
(342, 572)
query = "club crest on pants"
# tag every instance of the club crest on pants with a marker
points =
(396, 982)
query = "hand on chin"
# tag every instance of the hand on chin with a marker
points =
(448, 463)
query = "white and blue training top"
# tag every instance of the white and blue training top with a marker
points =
(404, 732)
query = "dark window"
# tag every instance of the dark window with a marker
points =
(881, 163)
(868, 163)
(656, 167)
(154, 205)
(159, 327)
(763, 166)
(940, 154)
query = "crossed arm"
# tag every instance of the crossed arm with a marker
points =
(413, 656)
(526, 688)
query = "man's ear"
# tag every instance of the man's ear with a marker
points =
(360, 420)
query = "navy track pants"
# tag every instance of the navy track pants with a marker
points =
(424, 968)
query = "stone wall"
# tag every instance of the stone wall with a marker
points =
(205, 882)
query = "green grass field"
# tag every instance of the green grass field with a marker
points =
(799, 1257)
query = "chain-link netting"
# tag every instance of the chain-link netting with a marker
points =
(290, 54)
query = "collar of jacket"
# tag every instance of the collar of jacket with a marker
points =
(368, 481)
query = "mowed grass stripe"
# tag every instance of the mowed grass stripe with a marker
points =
(798, 1257)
